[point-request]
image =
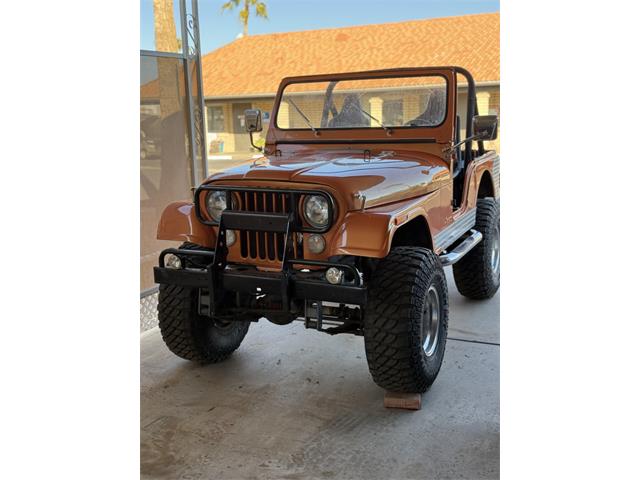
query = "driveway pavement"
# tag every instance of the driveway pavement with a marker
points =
(297, 404)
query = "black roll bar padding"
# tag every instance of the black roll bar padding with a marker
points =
(472, 108)
(457, 166)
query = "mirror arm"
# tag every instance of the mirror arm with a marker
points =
(254, 145)
(462, 142)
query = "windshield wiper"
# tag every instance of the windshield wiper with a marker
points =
(386, 129)
(304, 117)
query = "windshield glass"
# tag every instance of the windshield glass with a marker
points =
(364, 103)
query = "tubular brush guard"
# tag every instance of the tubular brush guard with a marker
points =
(288, 283)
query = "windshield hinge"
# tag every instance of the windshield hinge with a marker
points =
(448, 148)
(363, 199)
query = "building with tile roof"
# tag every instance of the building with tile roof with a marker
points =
(246, 72)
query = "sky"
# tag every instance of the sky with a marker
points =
(217, 28)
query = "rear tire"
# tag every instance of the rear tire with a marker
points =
(477, 274)
(406, 320)
(192, 336)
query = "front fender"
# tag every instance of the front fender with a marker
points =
(363, 234)
(178, 222)
(370, 233)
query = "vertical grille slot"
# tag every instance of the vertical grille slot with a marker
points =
(253, 236)
(262, 252)
(266, 246)
(269, 205)
(244, 235)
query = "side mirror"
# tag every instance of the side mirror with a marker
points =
(485, 127)
(253, 120)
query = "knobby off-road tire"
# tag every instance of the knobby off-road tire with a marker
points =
(477, 274)
(406, 320)
(192, 336)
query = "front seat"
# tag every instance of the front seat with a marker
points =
(434, 113)
(350, 115)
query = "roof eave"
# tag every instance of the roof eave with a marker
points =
(489, 83)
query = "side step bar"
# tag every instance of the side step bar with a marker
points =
(461, 250)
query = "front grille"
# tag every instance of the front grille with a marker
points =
(264, 245)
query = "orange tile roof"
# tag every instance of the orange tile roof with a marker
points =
(256, 64)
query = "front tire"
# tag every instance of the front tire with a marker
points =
(406, 320)
(192, 336)
(477, 274)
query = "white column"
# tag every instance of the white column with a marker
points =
(484, 99)
(375, 109)
(483, 102)
(283, 115)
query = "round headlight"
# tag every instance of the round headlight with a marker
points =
(334, 275)
(316, 211)
(172, 261)
(216, 202)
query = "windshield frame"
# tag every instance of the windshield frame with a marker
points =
(331, 84)
(442, 133)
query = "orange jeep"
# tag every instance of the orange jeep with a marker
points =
(365, 191)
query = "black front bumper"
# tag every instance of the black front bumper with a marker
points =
(238, 278)
(216, 275)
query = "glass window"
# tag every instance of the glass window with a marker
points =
(165, 164)
(160, 26)
(392, 112)
(215, 118)
(419, 101)
(227, 140)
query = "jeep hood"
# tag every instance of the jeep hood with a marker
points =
(382, 178)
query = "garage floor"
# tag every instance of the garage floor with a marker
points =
(297, 404)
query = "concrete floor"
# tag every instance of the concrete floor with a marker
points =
(297, 404)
